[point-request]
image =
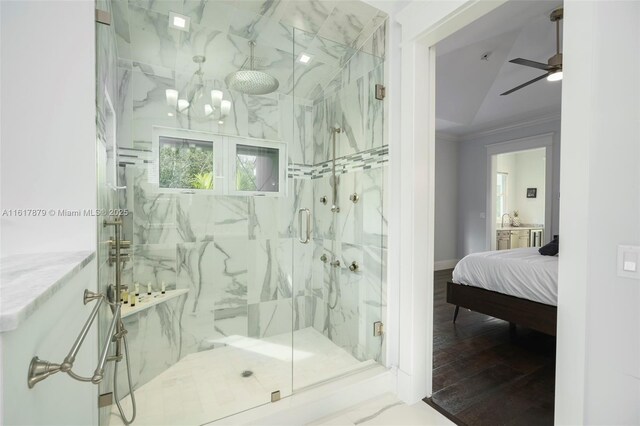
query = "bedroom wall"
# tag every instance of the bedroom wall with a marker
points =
(446, 178)
(472, 181)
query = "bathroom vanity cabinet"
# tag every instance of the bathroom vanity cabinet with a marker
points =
(520, 237)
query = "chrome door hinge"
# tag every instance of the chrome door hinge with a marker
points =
(378, 328)
(275, 396)
(103, 17)
(381, 92)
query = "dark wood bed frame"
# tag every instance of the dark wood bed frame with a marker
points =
(526, 313)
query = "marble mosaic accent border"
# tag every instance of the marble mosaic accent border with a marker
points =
(133, 156)
(370, 159)
(364, 160)
(300, 171)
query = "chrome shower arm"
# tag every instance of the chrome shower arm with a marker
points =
(99, 373)
(41, 369)
(67, 365)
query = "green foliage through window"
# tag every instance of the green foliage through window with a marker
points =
(186, 164)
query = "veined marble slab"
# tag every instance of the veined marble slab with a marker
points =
(28, 280)
(145, 301)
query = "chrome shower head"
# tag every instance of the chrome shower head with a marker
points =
(250, 81)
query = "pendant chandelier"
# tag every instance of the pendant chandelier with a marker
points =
(198, 101)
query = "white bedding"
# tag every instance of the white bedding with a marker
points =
(523, 273)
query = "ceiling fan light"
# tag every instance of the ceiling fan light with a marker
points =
(556, 76)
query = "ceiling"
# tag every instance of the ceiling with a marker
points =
(468, 88)
(331, 32)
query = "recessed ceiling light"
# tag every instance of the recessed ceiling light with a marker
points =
(304, 58)
(170, 114)
(178, 21)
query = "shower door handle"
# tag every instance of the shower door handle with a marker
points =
(307, 234)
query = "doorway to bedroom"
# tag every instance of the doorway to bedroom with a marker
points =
(496, 154)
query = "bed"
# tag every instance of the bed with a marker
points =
(519, 286)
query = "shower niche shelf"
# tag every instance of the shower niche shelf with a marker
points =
(146, 301)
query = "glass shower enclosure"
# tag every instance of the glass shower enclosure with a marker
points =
(246, 286)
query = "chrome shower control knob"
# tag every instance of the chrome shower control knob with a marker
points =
(324, 258)
(354, 197)
(336, 263)
(354, 266)
(323, 199)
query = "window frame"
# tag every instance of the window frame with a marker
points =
(219, 155)
(505, 194)
(233, 142)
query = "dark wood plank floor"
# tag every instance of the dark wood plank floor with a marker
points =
(482, 376)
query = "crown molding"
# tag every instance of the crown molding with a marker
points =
(534, 121)
(448, 137)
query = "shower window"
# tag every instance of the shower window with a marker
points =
(258, 168)
(187, 160)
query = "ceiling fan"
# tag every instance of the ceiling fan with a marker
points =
(553, 67)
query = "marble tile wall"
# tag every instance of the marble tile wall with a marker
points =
(344, 304)
(349, 102)
(331, 31)
(239, 256)
(142, 105)
(155, 340)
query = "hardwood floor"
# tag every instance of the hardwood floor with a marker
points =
(482, 376)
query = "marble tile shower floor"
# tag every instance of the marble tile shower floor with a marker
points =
(209, 385)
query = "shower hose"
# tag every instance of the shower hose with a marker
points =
(115, 386)
(334, 283)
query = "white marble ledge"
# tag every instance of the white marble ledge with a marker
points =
(146, 301)
(29, 280)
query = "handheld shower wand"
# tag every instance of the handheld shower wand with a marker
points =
(334, 179)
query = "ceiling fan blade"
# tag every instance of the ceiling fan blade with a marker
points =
(525, 84)
(533, 64)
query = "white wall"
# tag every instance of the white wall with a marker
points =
(472, 183)
(47, 121)
(47, 144)
(530, 173)
(598, 354)
(446, 238)
(49, 333)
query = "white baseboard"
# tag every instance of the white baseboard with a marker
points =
(439, 265)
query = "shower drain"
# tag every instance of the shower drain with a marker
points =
(247, 373)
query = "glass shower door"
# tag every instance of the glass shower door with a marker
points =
(340, 275)
(200, 172)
